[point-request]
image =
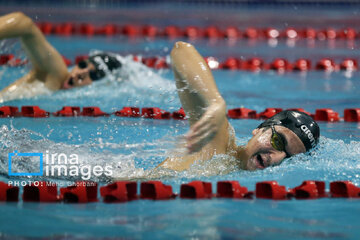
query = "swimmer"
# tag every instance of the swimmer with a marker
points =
(49, 69)
(284, 135)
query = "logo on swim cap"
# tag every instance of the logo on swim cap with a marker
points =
(308, 133)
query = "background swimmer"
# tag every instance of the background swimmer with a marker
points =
(282, 136)
(49, 70)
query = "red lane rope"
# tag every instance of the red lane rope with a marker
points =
(124, 191)
(254, 64)
(211, 32)
(324, 114)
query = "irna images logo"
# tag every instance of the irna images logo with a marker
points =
(55, 165)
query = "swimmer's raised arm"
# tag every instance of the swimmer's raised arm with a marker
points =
(48, 65)
(202, 102)
(199, 96)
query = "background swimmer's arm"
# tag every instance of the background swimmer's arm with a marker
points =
(48, 65)
(200, 98)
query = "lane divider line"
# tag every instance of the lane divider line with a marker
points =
(323, 114)
(195, 32)
(124, 191)
(252, 64)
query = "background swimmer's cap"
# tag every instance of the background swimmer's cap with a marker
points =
(103, 63)
(300, 123)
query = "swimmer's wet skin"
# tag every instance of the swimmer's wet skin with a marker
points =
(286, 134)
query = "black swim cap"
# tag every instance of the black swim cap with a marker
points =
(300, 123)
(103, 63)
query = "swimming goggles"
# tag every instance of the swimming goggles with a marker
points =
(278, 141)
(94, 74)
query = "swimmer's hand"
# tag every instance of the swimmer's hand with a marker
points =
(204, 130)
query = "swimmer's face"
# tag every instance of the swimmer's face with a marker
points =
(261, 152)
(79, 76)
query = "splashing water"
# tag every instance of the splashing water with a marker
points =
(133, 81)
(333, 160)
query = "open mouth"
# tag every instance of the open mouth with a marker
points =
(260, 160)
(71, 82)
(68, 83)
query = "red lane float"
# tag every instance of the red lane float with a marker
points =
(9, 111)
(254, 64)
(34, 112)
(344, 189)
(213, 32)
(326, 114)
(232, 33)
(193, 32)
(196, 190)
(309, 190)
(347, 33)
(82, 192)
(150, 31)
(46, 27)
(6, 58)
(240, 113)
(107, 30)
(156, 190)
(172, 32)
(326, 64)
(268, 113)
(155, 113)
(271, 33)
(281, 65)
(86, 29)
(65, 29)
(212, 62)
(302, 65)
(290, 33)
(68, 111)
(271, 190)
(8, 193)
(93, 112)
(128, 112)
(150, 62)
(231, 63)
(308, 33)
(349, 65)
(352, 115)
(130, 30)
(232, 189)
(179, 115)
(251, 33)
(41, 192)
(122, 191)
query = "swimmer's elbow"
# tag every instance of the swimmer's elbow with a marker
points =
(180, 46)
(21, 17)
(22, 21)
(181, 53)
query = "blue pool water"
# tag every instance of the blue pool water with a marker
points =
(135, 146)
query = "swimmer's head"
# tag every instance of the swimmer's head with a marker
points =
(92, 69)
(286, 134)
